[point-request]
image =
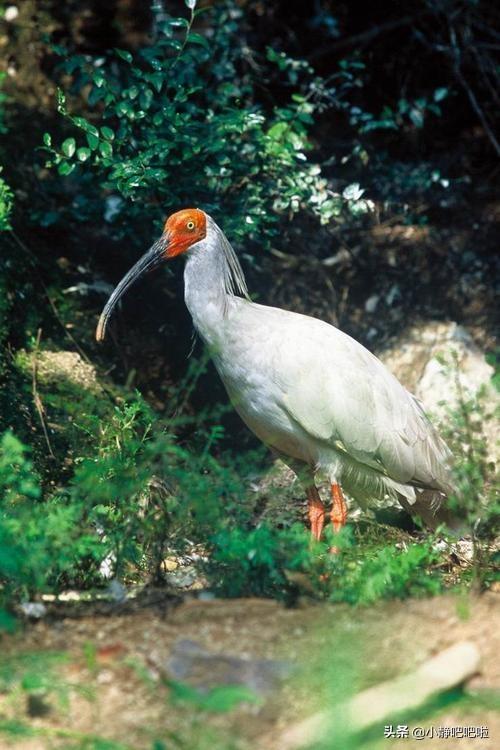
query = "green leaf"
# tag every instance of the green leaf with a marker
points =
(92, 140)
(440, 94)
(47, 139)
(146, 98)
(417, 117)
(7, 621)
(95, 95)
(124, 54)
(125, 108)
(15, 728)
(68, 147)
(107, 133)
(82, 154)
(195, 38)
(218, 700)
(156, 80)
(99, 79)
(278, 130)
(106, 149)
(65, 168)
(178, 23)
(61, 102)
(85, 125)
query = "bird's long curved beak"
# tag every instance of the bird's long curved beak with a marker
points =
(153, 258)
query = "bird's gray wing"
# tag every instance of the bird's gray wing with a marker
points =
(341, 394)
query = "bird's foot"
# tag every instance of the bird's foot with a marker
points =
(316, 512)
(338, 513)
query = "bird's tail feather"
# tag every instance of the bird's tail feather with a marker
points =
(433, 508)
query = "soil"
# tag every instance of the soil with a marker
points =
(122, 692)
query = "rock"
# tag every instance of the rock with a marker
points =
(371, 303)
(402, 695)
(435, 361)
(117, 591)
(464, 551)
(191, 662)
(170, 563)
(11, 13)
(36, 610)
(52, 367)
(107, 566)
(36, 706)
(182, 578)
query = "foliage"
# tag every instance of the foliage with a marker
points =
(255, 560)
(339, 89)
(41, 543)
(6, 201)
(387, 571)
(115, 511)
(218, 700)
(138, 493)
(477, 497)
(266, 561)
(6, 194)
(171, 130)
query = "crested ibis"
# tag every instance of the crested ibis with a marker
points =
(306, 389)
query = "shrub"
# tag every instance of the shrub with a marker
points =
(6, 201)
(178, 123)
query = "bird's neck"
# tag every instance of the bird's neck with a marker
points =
(204, 292)
(211, 274)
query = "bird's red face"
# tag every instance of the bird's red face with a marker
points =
(182, 230)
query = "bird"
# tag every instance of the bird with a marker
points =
(311, 393)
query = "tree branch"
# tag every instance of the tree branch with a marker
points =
(365, 36)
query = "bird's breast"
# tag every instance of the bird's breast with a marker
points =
(249, 368)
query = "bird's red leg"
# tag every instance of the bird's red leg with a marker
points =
(339, 508)
(316, 511)
(338, 513)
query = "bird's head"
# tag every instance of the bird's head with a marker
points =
(182, 230)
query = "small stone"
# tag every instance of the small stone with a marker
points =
(183, 577)
(392, 295)
(170, 563)
(105, 677)
(371, 303)
(107, 566)
(36, 706)
(36, 610)
(206, 596)
(11, 13)
(465, 549)
(191, 662)
(117, 590)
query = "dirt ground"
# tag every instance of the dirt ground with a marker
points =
(122, 691)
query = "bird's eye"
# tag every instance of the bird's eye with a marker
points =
(190, 225)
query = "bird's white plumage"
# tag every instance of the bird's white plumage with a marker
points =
(312, 392)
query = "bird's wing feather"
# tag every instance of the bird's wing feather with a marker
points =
(342, 395)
